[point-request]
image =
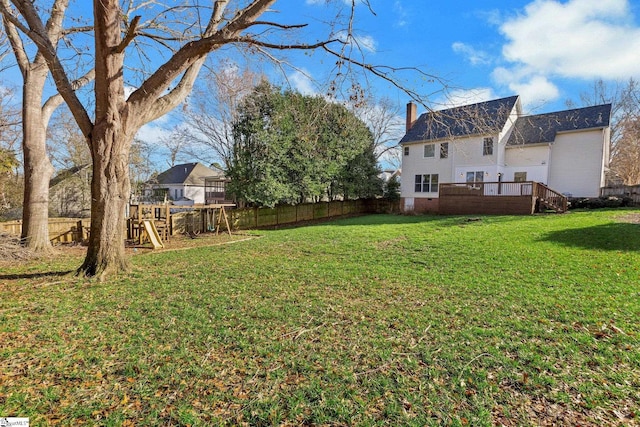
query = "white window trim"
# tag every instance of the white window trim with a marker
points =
(424, 149)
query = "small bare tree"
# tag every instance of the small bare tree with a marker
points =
(176, 142)
(387, 126)
(212, 110)
(625, 161)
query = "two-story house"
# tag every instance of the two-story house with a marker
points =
(188, 184)
(494, 142)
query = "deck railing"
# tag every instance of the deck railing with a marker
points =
(488, 188)
(551, 198)
(546, 196)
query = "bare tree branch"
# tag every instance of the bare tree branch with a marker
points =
(166, 103)
(46, 48)
(131, 33)
(54, 102)
(14, 37)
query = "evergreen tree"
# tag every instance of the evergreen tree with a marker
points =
(290, 148)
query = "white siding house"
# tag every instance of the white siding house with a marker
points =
(185, 184)
(494, 142)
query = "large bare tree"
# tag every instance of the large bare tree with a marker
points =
(35, 118)
(190, 37)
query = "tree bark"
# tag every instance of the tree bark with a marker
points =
(110, 144)
(37, 166)
(110, 189)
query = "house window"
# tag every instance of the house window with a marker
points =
(175, 194)
(430, 150)
(406, 151)
(487, 147)
(520, 176)
(477, 176)
(444, 150)
(181, 193)
(427, 183)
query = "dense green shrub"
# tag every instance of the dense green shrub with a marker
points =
(600, 202)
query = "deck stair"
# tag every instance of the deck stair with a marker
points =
(549, 199)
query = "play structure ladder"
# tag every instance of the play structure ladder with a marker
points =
(152, 232)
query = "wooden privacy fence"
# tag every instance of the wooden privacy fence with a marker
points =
(61, 230)
(287, 215)
(199, 219)
(67, 230)
(631, 191)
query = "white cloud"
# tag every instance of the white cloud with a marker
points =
(367, 43)
(536, 90)
(580, 38)
(362, 42)
(583, 39)
(474, 56)
(302, 81)
(493, 17)
(128, 90)
(401, 13)
(457, 98)
(152, 132)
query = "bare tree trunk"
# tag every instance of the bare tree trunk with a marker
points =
(110, 145)
(110, 188)
(37, 166)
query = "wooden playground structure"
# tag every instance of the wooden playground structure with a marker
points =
(157, 223)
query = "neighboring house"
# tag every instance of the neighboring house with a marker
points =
(494, 142)
(188, 184)
(70, 192)
(386, 175)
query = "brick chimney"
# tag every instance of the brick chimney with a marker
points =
(412, 111)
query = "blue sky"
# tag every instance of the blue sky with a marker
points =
(547, 51)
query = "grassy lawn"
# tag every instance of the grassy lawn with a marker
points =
(378, 320)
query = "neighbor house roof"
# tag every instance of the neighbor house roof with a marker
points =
(187, 173)
(66, 174)
(542, 128)
(475, 119)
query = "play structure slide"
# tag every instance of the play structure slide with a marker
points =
(152, 232)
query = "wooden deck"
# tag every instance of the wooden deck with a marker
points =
(499, 198)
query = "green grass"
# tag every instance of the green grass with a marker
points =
(378, 320)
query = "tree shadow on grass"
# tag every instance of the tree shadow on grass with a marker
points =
(607, 237)
(35, 275)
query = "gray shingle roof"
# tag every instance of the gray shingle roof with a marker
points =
(67, 173)
(542, 128)
(475, 119)
(187, 173)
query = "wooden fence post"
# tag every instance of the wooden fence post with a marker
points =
(79, 232)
